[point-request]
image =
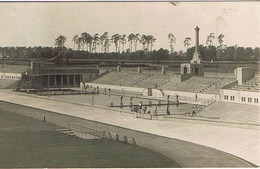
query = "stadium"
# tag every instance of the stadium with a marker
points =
(161, 114)
(192, 94)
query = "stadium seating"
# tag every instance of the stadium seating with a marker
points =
(131, 79)
(194, 84)
(110, 78)
(5, 83)
(233, 112)
(216, 86)
(13, 68)
(252, 85)
(219, 75)
(210, 83)
(153, 81)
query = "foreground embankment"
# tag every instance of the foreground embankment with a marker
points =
(30, 143)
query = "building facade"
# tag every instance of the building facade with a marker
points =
(49, 75)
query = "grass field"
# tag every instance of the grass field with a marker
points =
(25, 142)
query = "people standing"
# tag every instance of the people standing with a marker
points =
(177, 98)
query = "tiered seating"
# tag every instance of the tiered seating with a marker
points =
(131, 79)
(13, 68)
(110, 78)
(194, 84)
(219, 75)
(211, 83)
(233, 112)
(252, 85)
(4, 83)
(6, 68)
(216, 86)
(153, 81)
(168, 85)
(143, 80)
(147, 80)
(20, 69)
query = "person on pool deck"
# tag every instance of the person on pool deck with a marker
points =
(193, 112)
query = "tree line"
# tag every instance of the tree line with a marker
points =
(91, 43)
(86, 47)
(207, 53)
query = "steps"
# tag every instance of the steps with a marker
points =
(233, 112)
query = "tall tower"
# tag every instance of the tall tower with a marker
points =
(196, 54)
(194, 68)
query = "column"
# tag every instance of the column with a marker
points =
(163, 71)
(118, 69)
(197, 29)
(61, 78)
(68, 80)
(139, 69)
(74, 80)
(195, 58)
(55, 80)
(48, 80)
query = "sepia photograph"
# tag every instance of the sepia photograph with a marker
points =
(121, 84)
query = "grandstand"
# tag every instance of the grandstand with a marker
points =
(233, 112)
(10, 75)
(252, 85)
(215, 87)
(110, 78)
(7, 83)
(210, 83)
(125, 79)
(158, 80)
(13, 68)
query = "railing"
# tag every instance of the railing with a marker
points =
(100, 75)
(229, 85)
(82, 131)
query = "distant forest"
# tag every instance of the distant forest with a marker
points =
(207, 53)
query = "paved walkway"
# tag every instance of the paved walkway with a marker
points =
(244, 143)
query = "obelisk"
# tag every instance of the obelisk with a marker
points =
(196, 58)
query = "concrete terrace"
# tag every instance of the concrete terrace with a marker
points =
(243, 143)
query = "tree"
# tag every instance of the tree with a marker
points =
(172, 39)
(87, 39)
(89, 42)
(83, 39)
(210, 39)
(256, 54)
(220, 39)
(136, 40)
(130, 40)
(104, 42)
(116, 40)
(123, 41)
(150, 40)
(143, 41)
(75, 40)
(211, 53)
(80, 43)
(60, 42)
(187, 42)
(96, 41)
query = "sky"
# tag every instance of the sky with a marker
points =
(40, 23)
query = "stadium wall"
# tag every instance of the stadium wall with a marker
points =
(13, 76)
(237, 96)
(244, 73)
(155, 92)
(115, 88)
